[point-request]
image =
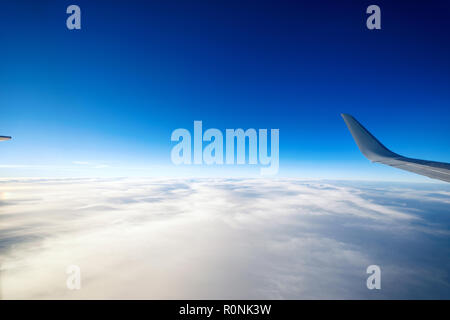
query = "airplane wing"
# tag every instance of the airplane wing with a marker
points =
(4, 138)
(375, 151)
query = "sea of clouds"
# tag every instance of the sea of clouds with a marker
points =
(222, 238)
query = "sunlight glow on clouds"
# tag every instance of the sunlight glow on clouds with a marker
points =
(221, 238)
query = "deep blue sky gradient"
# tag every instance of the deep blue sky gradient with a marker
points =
(111, 93)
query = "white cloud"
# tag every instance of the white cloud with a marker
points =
(218, 238)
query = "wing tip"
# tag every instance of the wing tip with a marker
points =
(376, 152)
(369, 146)
(347, 116)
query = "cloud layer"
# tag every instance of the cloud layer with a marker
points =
(222, 238)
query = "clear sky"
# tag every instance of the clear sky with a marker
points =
(105, 99)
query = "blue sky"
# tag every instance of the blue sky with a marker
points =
(104, 100)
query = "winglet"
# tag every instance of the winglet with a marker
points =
(370, 147)
(5, 138)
